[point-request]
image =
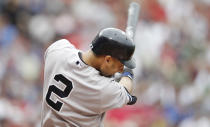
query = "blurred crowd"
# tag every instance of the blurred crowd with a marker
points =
(172, 78)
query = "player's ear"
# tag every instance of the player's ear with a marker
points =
(107, 58)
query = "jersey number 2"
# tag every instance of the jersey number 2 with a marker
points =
(62, 94)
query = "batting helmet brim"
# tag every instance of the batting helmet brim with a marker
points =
(130, 63)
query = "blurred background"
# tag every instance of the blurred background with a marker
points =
(172, 78)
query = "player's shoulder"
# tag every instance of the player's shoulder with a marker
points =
(63, 43)
(59, 45)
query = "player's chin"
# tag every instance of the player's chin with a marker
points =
(106, 75)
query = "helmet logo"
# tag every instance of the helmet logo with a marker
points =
(91, 46)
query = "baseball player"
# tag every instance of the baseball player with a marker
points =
(79, 86)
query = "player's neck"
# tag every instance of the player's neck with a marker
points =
(90, 59)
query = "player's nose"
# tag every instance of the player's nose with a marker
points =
(121, 68)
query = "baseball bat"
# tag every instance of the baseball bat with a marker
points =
(132, 20)
(133, 16)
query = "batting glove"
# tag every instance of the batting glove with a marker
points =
(128, 73)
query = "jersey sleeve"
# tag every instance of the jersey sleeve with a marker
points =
(113, 95)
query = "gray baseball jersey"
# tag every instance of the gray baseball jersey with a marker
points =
(75, 94)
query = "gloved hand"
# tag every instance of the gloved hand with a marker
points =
(117, 76)
(128, 73)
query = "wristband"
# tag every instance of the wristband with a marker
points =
(127, 74)
(132, 99)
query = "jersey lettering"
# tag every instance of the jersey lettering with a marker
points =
(62, 94)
